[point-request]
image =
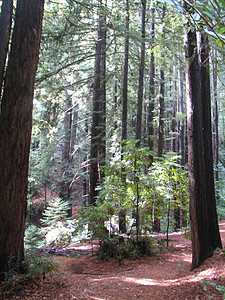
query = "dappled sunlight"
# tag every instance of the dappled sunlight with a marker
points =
(152, 282)
(192, 278)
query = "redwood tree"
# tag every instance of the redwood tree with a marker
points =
(15, 130)
(98, 127)
(205, 234)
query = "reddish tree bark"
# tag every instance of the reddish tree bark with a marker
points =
(5, 31)
(15, 129)
(205, 234)
(98, 128)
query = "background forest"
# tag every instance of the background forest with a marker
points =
(141, 73)
(109, 151)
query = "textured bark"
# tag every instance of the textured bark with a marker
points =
(15, 129)
(204, 226)
(98, 128)
(215, 240)
(5, 31)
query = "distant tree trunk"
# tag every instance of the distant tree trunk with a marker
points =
(141, 78)
(74, 128)
(66, 153)
(180, 109)
(151, 105)
(215, 115)
(122, 213)
(156, 220)
(205, 234)
(85, 168)
(161, 115)
(5, 31)
(15, 130)
(139, 106)
(98, 128)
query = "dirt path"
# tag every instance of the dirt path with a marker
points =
(164, 276)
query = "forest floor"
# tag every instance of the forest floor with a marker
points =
(166, 275)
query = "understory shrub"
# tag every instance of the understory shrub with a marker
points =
(120, 248)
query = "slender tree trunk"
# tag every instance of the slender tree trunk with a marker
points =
(151, 87)
(161, 115)
(98, 128)
(139, 107)
(181, 126)
(125, 77)
(156, 220)
(5, 31)
(66, 154)
(204, 226)
(141, 79)
(122, 213)
(15, 130)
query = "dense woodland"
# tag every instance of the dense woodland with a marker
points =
(128, 122)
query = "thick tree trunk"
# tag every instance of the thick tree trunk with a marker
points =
(204, 226)
(98, 128)
(15, 129)
(5, 31)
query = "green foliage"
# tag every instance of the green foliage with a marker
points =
(57, 211)
(57, 230)
(40, 265)
(159, 185)
(35, 267)
(218, 287)
(33, 237)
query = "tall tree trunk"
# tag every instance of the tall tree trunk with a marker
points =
(151, 105)
(122, 213)
(15, 130)
(66, 154)
(141, 78)
(215, 115)
(139, 107)
(205, 235)
(180, 109)
(5, 31)
(178, 213)
(156, 220)
(161, 115)
(98, 128)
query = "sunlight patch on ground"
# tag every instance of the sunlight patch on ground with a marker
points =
(184, 257)
(152, 282)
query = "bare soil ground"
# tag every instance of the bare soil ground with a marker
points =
(164, 276)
